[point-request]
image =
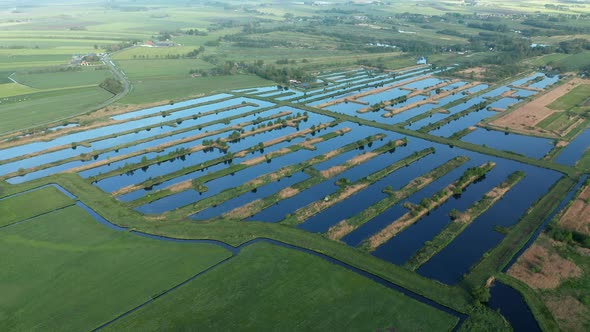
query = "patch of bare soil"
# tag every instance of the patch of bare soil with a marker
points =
(541, 267)
(477, 72)
(243, 211)
(527, 116)
(181, 186)
(288, 192)
(339, 230)
(570, 313)
(577, 216)
(318, 206)
(561, 144)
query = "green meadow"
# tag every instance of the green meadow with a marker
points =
(65, 271)
(269, 287)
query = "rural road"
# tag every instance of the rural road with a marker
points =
(119, 75)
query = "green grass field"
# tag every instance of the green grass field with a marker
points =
(33, 110)
(65, 271)
(53, 80)
(573, 62)
(161, 69)
(181, 88)
(20, 207)
(584, 161)
(15, 89)
(558, 121)
(272, 288)
(575, 98)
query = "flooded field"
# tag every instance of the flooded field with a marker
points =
(241, 156)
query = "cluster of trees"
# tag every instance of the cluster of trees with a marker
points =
(120, 46)
(267, 71)
(194, 53)
(60, 69)
(112, 85)
(477, 172)
(195, 32)
(568, 236)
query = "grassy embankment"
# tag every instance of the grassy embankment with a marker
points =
(442, 140)
(347, 189)
(275, 176)
(316, 177)
(27, 111)
(179, 152)
(232, 168)
(426, 205)
(460, 221)
(496, 259)
(346, 226)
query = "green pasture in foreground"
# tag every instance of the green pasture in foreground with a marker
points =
(32, 204)
(182, 88)
(267, 287)
(574, 98)
(65, 271)
(35, 109)
(52, 80)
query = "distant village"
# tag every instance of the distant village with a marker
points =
(94, 59)
(90, 59)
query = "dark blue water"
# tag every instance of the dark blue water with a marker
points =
(480, 235)
(220, 184)
(244, 199)
(534, 147)
(575, 150)
(503, 103)
(401, 247)
(365, 198)
(511, 305)
(464, 122)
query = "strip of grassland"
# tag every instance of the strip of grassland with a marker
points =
(347, 190)
(426, 205)
(221, 173)
(346, 226)
(443, 140)
(258, 205)
(520, 233)
(275, 176)
(46, 107)
(461, 221)
(32, 204)
(448, 119)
